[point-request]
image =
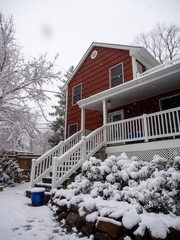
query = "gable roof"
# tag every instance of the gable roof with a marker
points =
(140, 53)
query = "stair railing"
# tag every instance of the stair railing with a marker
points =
(43, 165)
(67, 164)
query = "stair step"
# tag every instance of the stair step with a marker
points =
(47, 180)
(47, 186)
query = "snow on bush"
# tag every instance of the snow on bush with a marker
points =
(153, 185)
(9, 170)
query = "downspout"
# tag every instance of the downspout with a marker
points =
(65, 124)
(83, 121)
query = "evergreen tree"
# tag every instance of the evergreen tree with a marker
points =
(58, 125)
(9, 170)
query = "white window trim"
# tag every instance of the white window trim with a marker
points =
(110, 73)
(160, 106)
(72, 125)
(110, 115)
(73, 93)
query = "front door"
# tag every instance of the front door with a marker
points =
(116, 116)
(116, 130)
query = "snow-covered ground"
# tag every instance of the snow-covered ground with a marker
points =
(20, 220)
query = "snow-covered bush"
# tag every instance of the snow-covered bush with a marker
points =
(154, 185)
(9, 170)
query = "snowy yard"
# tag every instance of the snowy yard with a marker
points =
(20, 220)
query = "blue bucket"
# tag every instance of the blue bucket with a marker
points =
(37, 196)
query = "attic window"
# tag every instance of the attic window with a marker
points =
(116, 75)
(94, 54)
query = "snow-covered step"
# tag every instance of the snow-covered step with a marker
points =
(47, 186)
(47, 180)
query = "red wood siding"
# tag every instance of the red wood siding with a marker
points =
(94, 77)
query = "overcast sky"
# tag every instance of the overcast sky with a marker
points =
(68, 27)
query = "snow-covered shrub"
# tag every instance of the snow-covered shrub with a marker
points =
(154, 185)
(9, 170)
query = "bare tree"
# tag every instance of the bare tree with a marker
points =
(21, 83)
(163, 41)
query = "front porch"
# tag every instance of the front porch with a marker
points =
(151, 134)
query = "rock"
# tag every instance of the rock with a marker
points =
(71, 219)
(102, 236)
(109, 227)
(62, 215)
(174, 233)
(74, 208)
(61, 209)
(81, 221)
(90, 228)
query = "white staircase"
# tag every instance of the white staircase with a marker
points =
(63, 160)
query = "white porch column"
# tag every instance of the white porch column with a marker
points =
(134, 67)
(83, 121)
(105, 118)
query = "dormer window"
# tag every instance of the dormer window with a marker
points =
(76, 94)
(116, 75)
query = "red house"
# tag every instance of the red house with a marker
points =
(121, 99)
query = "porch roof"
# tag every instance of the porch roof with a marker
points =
(161, 79)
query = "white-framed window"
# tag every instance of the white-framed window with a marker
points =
(116, 75)
(169, 102)
(73, 128)
(116, 116)
(76, 93)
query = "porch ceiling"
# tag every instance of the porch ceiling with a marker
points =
(158, 82)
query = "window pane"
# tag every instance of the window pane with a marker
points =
(77, 89)
(116, 81)
(76, 94)
(72, 129)
(171, 102)
(76, 98)
(116, 75)
(117, 70)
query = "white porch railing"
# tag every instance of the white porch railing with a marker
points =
(70, 161)
(43, 165)
(159, 67)
(148, 126)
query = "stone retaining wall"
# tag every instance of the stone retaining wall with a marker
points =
(103, 228)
